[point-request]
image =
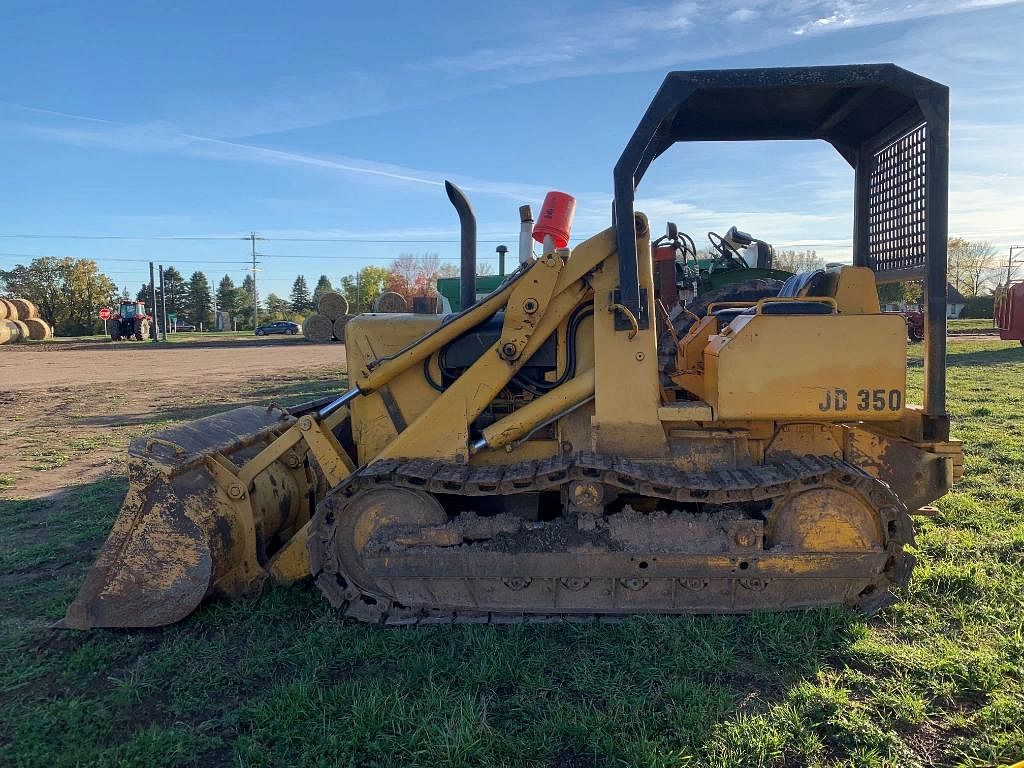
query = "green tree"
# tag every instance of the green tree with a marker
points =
(198, 303)
(323, 285)
(68, 292)
(175, 289)
(277, 308)
(243, 306)
(144, 296)
(299, 296)
(363, 287)
(899, 293)
(227, 295)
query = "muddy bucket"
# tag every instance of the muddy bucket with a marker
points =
(194, 523)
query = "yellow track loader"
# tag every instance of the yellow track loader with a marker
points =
(530, 458)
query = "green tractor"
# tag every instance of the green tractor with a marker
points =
(729, 262)
(736, 267)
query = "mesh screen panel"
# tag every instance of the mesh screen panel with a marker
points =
(896, 205)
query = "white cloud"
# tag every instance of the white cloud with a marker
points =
(88, 131)
(865, 13)
(654, 36)
(741, 15)
(987, 160)
(581, 38)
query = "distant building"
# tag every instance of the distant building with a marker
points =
(955, 303)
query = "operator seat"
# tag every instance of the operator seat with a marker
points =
(803, 284)
(798, 286)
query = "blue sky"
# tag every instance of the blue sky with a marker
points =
(339, 121)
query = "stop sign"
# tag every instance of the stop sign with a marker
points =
(104, 314)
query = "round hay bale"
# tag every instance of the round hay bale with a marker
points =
(38, 329)
(11, 311)
(4, 311)
(390, 302)
(10, 332)
(317, 328)
(24, 332)
(26, 308)
(332, 305)
(339, 327)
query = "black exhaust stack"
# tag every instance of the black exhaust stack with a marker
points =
(467, 270)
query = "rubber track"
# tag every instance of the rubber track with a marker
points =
(731, 486)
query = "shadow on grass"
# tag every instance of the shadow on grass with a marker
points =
(187, 343)
(1002, 356)
(49, 541)
(280, 679)
(285, 395)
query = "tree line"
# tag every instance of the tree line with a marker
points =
(973, 268)
(193, 301)
(69, 292)
(190, 301)
(409, 275)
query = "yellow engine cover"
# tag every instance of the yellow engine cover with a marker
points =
(377, 418)
(814, 367)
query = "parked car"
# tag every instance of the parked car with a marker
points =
(182, 327)
(281, 326)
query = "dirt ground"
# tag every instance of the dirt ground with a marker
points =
(44, 366)
(70, 409)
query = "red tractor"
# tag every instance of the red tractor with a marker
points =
(1009, 311)
(915, 323)
(130, 321)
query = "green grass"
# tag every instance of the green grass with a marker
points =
(973, 325)
(183, 337)
(935, 680)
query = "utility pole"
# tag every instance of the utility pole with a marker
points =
(252, 239)
(1009, 262)
(163, 307)
(152, 305)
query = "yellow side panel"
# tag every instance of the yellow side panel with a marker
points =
(367, 338)
(820, 368)
(371, 336)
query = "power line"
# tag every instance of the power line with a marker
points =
(339, 239)
(364, 240)
(120, 237)
(332, 257)
(109, 258)
(371, 240)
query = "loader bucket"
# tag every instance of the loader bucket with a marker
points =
(189, 526)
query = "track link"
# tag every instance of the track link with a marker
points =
(370, 602)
